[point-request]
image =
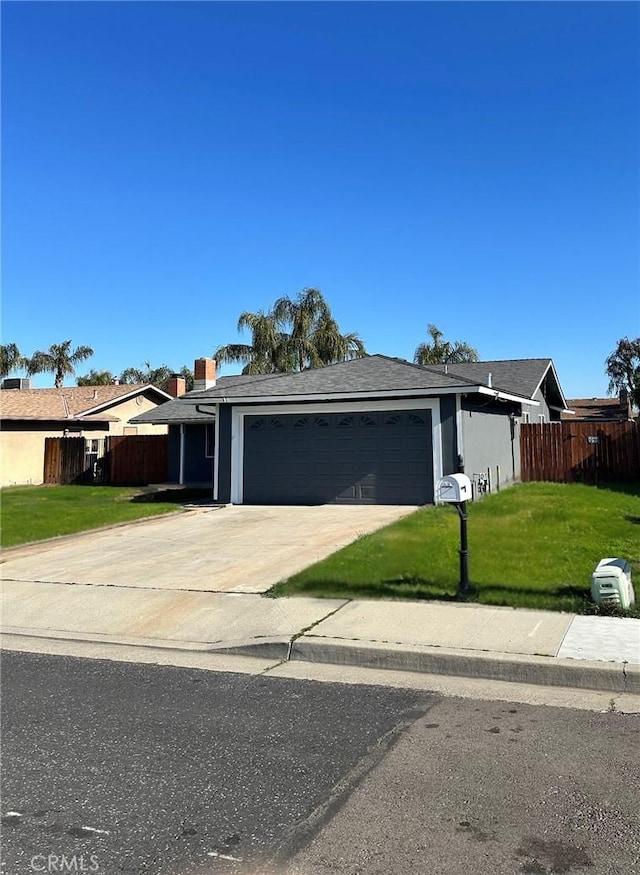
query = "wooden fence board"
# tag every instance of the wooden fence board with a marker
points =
(587, 452)
(64, 460)
(137, 460)
(129, 460)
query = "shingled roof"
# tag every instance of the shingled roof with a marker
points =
(365, 377)
(73, 402)
(597, 409)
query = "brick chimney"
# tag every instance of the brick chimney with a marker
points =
(204, 374)
(177, 385)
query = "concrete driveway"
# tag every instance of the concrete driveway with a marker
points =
(241, 549)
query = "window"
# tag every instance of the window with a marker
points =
(367, 422)
(209, 440)
(526, 417)
(321, 422)
(347, 422)
(541, 418)
(303, 422)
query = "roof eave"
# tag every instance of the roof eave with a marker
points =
(555, 377)
(499, 395)
(125, 397)
(367, 395)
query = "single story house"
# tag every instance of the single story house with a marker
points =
(375, 430)
(28, 416)
(599, 409)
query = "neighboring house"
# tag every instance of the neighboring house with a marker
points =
(599, 409)
(28, 416)
(375, 430)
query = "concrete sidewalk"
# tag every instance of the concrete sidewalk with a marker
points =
(463, 640)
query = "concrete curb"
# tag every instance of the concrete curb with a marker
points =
(612, 677)
(514, 668)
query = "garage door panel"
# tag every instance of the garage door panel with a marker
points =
(382, 457)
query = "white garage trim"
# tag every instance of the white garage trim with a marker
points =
(237, 429)
(216, 451)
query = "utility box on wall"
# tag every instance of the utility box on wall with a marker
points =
(454, 488)
(611, 584)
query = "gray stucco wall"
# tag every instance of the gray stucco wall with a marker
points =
(490, 441)
(542, 410)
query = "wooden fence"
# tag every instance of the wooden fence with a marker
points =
(136, 460)
(587, 452)
(65, 460)
(128, 460)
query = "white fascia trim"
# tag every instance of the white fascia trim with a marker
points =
(505, 396)
(237, 430)
(356, 397)
(216, 453)
(555, 374)
(127, 395)
(541, 380)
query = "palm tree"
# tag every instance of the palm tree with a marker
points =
(58, 360)
(96, 378)
(159, 376)
(332, 346)
(440, 351)
(155, 376)
(315, 338)
(293, 336)
(267, 353)
(11, 359)
(187, 374)
(303, 315)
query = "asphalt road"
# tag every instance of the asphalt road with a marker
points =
(132, 768)
(124, 768)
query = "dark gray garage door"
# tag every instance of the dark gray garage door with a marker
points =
(353, 458)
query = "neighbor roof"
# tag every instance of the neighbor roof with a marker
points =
(69, 402)
(371, 375)
(602, 409)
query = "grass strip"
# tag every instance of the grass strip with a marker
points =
(33, 513)
(534, 545)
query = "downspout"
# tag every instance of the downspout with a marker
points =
(181, 474)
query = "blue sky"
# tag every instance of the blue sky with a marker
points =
(475, 165)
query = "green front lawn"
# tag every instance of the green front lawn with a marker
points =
(533, 545)
(32, 513)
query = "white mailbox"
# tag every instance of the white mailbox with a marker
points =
(611, 583)
(454, 488)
